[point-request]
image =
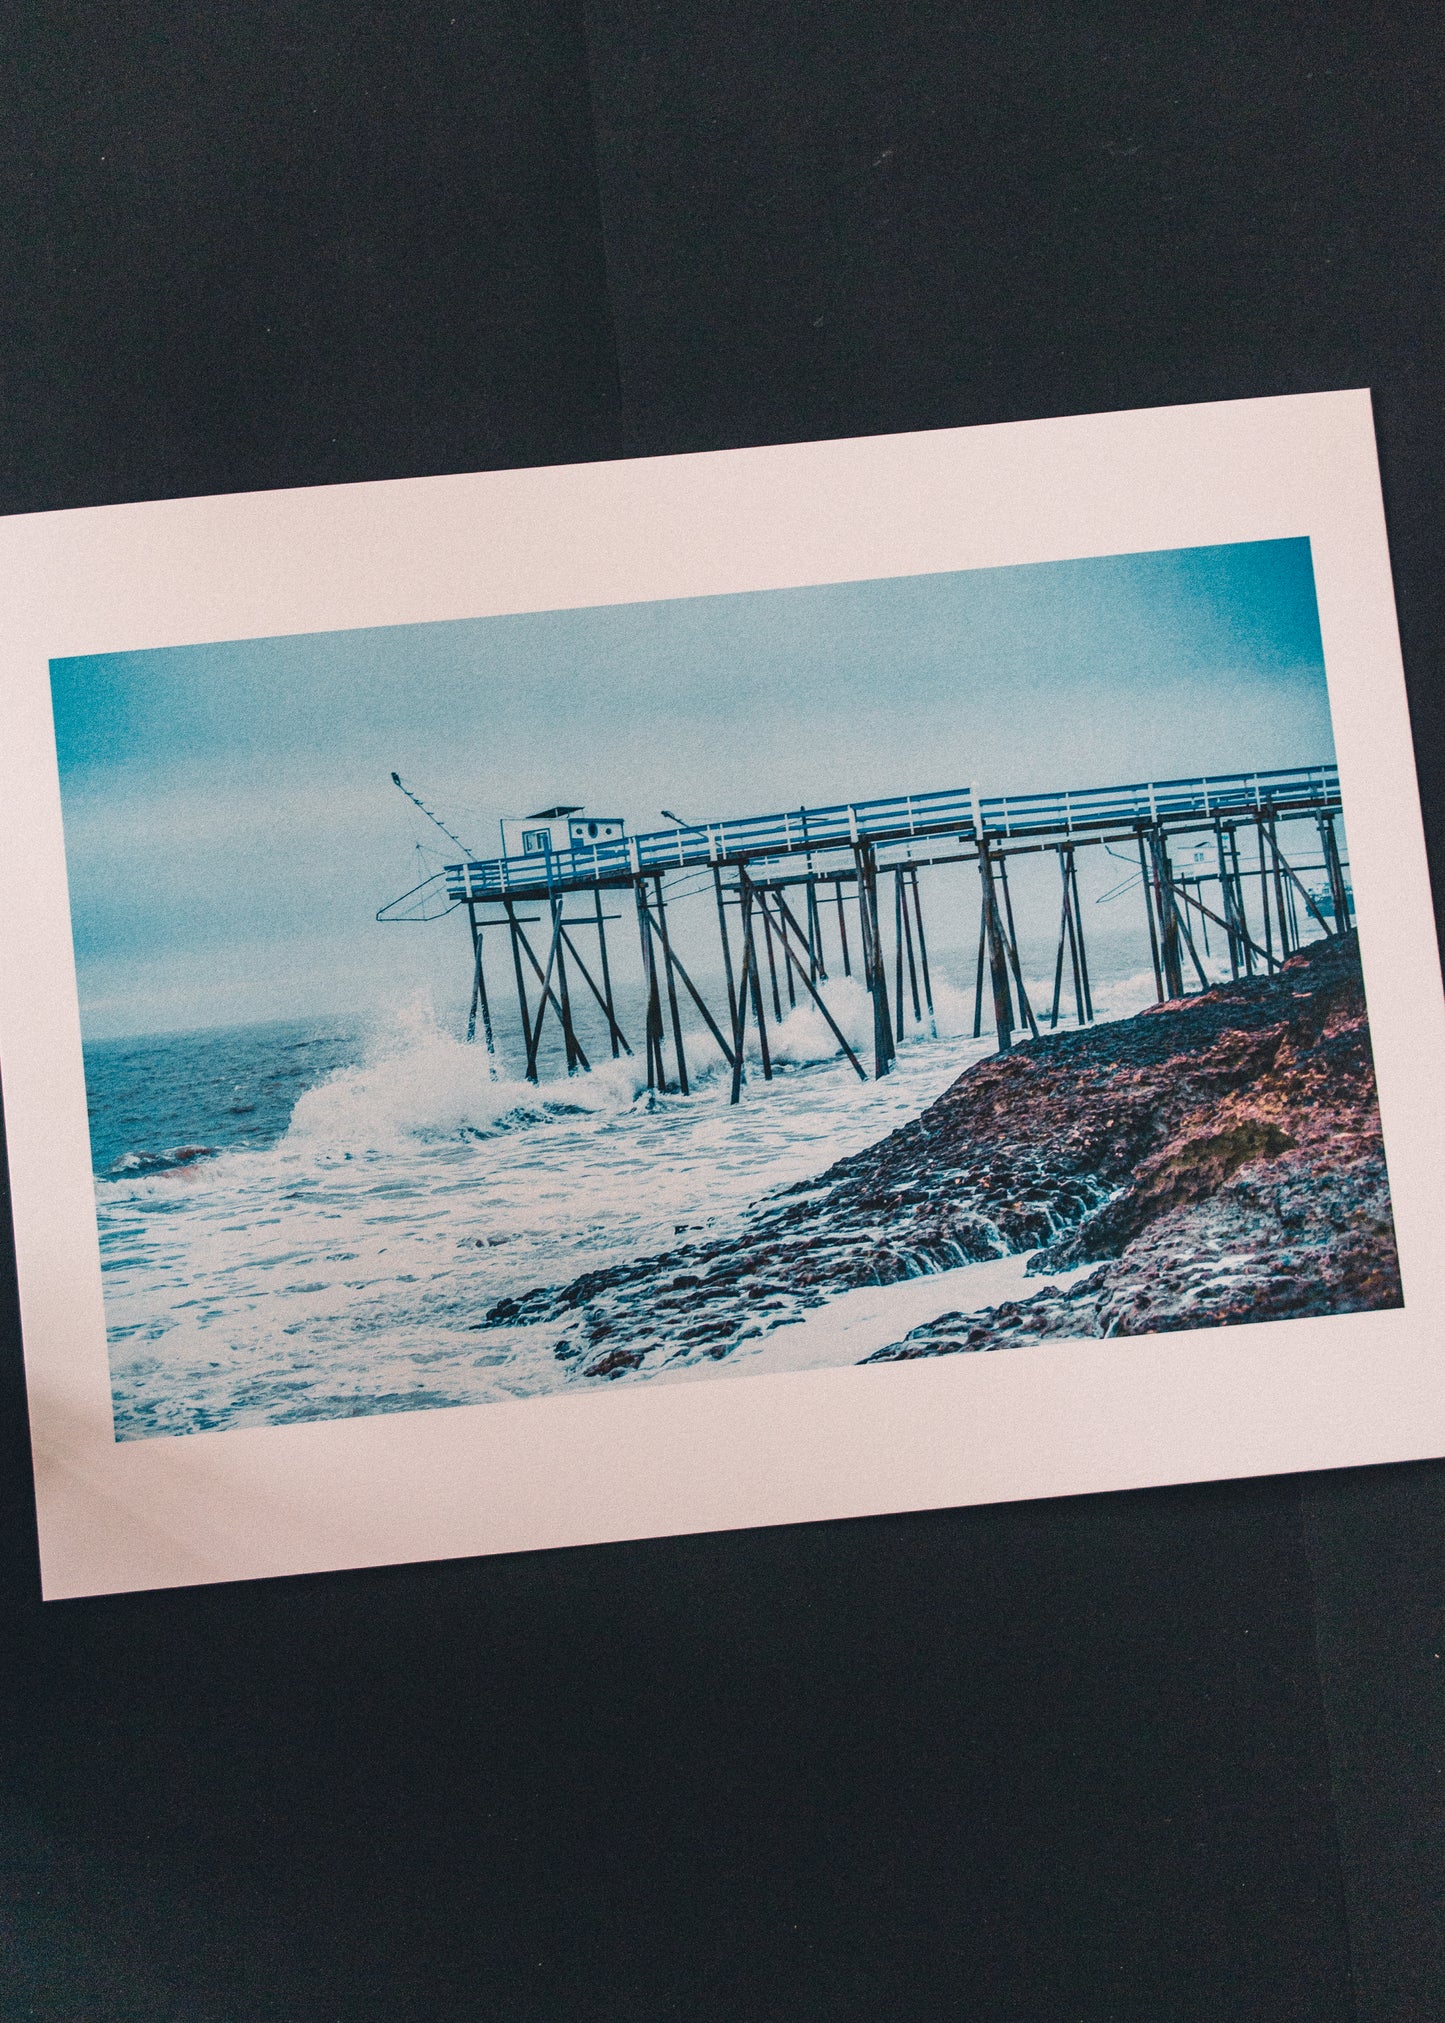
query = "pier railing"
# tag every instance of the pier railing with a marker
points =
(1201, 799)
(901, 818)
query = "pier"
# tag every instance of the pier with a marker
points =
(814, 893)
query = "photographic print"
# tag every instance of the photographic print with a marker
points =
(782, 980)
(554, 1006)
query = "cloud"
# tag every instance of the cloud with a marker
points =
(231, 827)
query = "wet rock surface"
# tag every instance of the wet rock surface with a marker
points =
(1219, 1157)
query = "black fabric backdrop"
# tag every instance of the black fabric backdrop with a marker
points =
(1168, 1754)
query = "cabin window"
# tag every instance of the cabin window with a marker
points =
(536, 842)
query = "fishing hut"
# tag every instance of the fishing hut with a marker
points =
(811, 893)
(557, 829)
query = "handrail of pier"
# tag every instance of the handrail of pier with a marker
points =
(899, 818)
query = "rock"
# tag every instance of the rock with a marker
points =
(1218, 1157)
(1260, 1192)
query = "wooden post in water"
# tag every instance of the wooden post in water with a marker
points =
(479, 988)
(523, 1006)
(1226, 900)
(606, 974)
(761, 904)
(656, 1071)
(1147, 883)
(874, 970)
(1083, 952)
(1286, 944)
(727, 951)
(905, 879)
(817, 969)
(774, 903)
(997, 951)
(1013, 948)
(1070, 941)
(569, 1037)
(923, 955)
(1291, 883)
(671, 989)
(1241, 910)
(750, 989)
(1264, 896)
(1167, 907)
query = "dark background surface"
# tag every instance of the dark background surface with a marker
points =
(1166, 1754)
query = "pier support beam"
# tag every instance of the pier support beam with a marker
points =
(749, 990)
(479, 989)
(1228, 909)
(676, 974)
(1147, 883)
(523, 1007)
(669, 967)
(574, 1055)
(842, 927)
(727, 950)
(761, 908)
(1241, 912)
(1335, 871)
(607, 1004)
(785, 922)
(656, 1070)
(603, 997)
(1265, 907)
(1167, 912)
(1012, 944)
(1286, 941)
(903, 928)
(998, 963)
(874, 973)
(923, 954)
(1291, 883)
(1071, 941)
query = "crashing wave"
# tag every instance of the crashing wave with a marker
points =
(420, 1084)
(133, 1165)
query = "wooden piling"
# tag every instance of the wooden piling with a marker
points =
(523, 1006)
(923, 955)
(479, 989)
(607, 1004)
(570, 1048)
(672, 1005)
(727, 951)
(997, 952)
(1147, 883)
(656, 1070)
(875, 973)
(1335, 871)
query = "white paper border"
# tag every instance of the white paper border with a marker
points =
(660, 1459)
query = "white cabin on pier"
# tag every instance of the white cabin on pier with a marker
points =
(554, 830)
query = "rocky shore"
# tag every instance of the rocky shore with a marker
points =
(1218, 1158)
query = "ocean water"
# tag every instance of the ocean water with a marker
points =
(310, 1220)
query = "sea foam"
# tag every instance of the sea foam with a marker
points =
(418, 1083)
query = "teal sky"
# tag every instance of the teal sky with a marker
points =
(231, 827)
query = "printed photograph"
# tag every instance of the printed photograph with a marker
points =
(664, 992)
